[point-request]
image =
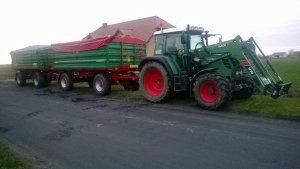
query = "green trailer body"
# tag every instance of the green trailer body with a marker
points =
(100, 61)
(112, 55)
(32, 57)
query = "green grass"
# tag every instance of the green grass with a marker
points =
(10, 160)
(284, 107)
(289, 70)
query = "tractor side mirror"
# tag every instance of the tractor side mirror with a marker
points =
(184, 38)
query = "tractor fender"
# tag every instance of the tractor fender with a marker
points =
(207, 70)
(162, 60)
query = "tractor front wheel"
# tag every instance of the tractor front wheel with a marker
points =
(155, 82)
(212, 91)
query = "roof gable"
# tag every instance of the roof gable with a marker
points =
(140, 28)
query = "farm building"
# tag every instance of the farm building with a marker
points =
(140, 28)
(279, 55)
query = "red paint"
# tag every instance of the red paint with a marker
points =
(153, 82)
(245, 61)
(209, 91)
(91, 44)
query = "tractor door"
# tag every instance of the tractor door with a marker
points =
(175, 49)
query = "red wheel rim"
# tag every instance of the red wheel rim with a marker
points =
(209, 91)
(153, 82)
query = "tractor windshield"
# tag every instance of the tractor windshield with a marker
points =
(196, 42)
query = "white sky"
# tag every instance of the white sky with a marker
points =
(274, 24)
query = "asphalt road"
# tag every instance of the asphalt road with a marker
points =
(77, 130)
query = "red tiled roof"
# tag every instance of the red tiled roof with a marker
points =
(140, 28)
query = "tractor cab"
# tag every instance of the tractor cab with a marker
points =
(178, 44)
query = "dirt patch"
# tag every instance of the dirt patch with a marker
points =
(80, 99)
(63, 96)
(32, 114)
(4, 129)
(97, 106)
(41, 94)
(65, 130)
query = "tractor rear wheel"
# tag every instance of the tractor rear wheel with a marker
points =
(38, 80)
(155, 82)
(101, 84)
(212, 91)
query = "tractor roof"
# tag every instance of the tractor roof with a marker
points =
(173, 30)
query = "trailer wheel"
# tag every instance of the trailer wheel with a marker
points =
(66, 82)
(212, 91)
(155, 82)
(101, 85)
(38, 80)
(131, 85)
(20, 78)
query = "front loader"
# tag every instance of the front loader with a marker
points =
(213, 74)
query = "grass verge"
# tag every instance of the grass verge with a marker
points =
(284, 108)
(11, 160)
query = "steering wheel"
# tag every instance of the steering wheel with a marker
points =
(199, 43)
(180, 52)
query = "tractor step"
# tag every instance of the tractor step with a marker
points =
(181, 83)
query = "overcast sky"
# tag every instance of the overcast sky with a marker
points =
(274, 24)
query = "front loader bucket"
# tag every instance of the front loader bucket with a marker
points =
(281, 90)
(271, 82)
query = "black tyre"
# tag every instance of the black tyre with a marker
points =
(47, 80)
(38, 80)
(101, 85)
(20, 78)
(212, 91)
(131, 85)
(66, 82)
(90, 83)
(155, 82)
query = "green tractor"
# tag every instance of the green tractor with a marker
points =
(213, 74)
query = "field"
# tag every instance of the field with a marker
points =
(6, 72)
(287, 107)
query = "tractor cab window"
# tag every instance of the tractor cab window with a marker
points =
(173, 43)
(196, 42)
(159, 44)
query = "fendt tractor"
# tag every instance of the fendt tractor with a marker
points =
(213, 74)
